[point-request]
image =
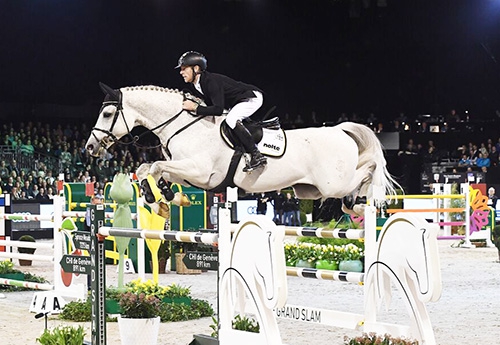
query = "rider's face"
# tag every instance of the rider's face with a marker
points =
(187, 72)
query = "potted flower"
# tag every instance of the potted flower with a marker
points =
(351, 256)
(306, 255)
(328, 257)
(24, 250)
(139, 319)
(291, 257)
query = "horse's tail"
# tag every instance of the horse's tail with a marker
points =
(370, 151)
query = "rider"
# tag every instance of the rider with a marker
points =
(219, 92)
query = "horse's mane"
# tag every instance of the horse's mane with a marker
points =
(152, 88)
(184, 93)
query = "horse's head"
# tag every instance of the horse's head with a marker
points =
(111, 124)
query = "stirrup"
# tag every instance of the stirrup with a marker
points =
(257, 164)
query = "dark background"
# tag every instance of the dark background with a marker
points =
(420, 57)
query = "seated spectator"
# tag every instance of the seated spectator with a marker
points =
(15, 194)
(464, 162)
(493, 155)
(27, 148)
(28, 190)
(397, 127)
(483, 160)
(42, 195)
(453, 116)
(50, 193)
(4, 171)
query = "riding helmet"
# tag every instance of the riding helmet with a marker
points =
(192, 58)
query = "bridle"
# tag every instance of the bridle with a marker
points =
(111, 139)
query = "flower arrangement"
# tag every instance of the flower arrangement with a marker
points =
(139, 305)
(312, 252)
(350, 251)
(328, 252)
(374, 339)
(149, 287)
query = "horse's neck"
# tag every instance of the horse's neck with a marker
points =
(155, 106)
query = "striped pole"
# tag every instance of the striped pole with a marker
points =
(428, 210)
(353, 234)
(341, 276)
(418, 196)
(451, 223)
(178, 236)
(81, 214)
(29, 285)
(20, 217)
(85, 204)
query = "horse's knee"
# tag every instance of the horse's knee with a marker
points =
(156, 169)
(143, 171)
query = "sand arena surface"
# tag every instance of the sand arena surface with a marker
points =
(467, 313)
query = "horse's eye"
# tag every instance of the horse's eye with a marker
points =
(108, 111)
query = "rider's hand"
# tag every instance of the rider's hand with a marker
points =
(189, 105)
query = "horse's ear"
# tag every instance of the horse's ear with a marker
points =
(109, 91)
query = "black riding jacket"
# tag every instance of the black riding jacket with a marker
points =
(221, 92)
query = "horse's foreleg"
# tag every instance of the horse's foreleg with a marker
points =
(166, 172)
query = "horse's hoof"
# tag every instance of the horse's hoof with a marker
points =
(163, 210)
(359, 209)
(181, 199)
(348, 211)
(348, 202)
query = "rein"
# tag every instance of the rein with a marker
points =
(136, 138)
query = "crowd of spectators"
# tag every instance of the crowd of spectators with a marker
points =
(39, 144)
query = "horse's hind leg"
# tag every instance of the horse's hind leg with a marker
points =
(354, 203)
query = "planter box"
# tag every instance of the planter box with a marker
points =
(12, 276)
(177, 300)
(112, 306)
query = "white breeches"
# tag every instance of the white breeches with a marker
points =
(244, 109)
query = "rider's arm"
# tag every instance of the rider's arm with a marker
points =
(215, 92)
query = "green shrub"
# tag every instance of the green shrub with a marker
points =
(82, 311)
(26, 238)
(62, 335)
(77, 311)
(245, 324)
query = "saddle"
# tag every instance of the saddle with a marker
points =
(268, 135)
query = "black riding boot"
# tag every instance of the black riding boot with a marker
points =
(257, 159)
